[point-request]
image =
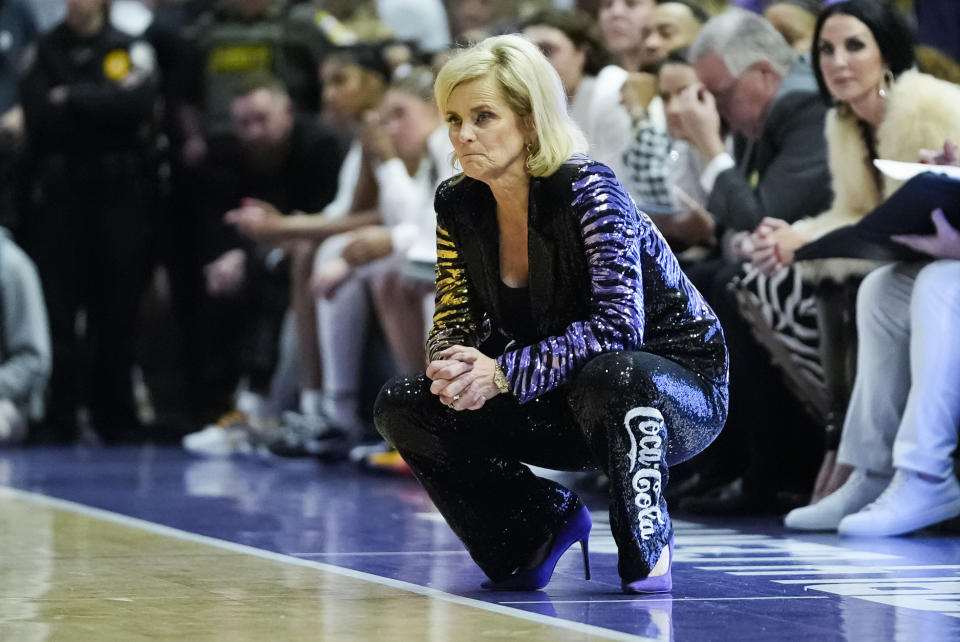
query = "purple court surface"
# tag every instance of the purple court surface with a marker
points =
(734, 579)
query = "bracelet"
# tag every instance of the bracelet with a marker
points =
(500, 380)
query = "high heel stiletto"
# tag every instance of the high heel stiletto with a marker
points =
(656, 584)
(577, 529)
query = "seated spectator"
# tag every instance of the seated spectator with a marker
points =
(24, 344)
(411, 150)
(901, 426)
(622, 22)
(288, 159)
(751, 77)
(883, 109)
(754, 81)
(687, 224)
(671, 25)
(570, 41)
(354, 81)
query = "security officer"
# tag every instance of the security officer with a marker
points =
(89, 99)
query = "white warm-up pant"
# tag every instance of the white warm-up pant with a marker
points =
(905, 408)
(343, 319)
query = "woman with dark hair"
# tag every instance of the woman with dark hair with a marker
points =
(863, 57)
(565, 335)
(572, 43)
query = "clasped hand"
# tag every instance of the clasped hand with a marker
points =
(463, 378)
(772, 245)
(257, 220)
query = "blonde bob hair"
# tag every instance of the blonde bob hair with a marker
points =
(529, 85)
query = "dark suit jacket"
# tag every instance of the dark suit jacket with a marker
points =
(788, 161)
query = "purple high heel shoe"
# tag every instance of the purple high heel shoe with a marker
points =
(657, 584)
(577, 529)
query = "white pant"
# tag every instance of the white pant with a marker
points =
(905, 408)
(342, 320)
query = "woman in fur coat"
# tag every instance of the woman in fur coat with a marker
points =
(883, 109)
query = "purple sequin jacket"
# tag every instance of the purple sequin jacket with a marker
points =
(601, 277)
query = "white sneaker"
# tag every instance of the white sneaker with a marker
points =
(13, 425)
(231, 435)
(859, 490)
(908, 504)
(361, 452)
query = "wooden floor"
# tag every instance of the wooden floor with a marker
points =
(71, 573)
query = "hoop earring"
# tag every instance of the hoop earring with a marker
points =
(886, 83)
(529, 147)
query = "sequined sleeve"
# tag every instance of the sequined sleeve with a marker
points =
(611, 226)
(453, 319)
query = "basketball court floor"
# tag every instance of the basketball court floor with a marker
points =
(146, 543)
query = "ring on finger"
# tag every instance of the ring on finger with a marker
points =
(456, 397)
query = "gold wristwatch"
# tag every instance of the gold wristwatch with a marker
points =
(500, 380)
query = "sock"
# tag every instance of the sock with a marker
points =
(341, 408)
(311, 402)
(252, 404)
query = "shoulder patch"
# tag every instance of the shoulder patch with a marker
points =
(117, 64)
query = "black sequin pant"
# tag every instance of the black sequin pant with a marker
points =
(630, 414)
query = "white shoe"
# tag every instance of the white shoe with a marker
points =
(302, 435)
(908, 504)
(361, 452)
(859, 490)
(13, 425)
(231, 435)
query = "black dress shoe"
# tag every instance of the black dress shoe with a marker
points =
(731, 499)
(694, 485)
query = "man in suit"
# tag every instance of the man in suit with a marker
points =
(752, 79)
